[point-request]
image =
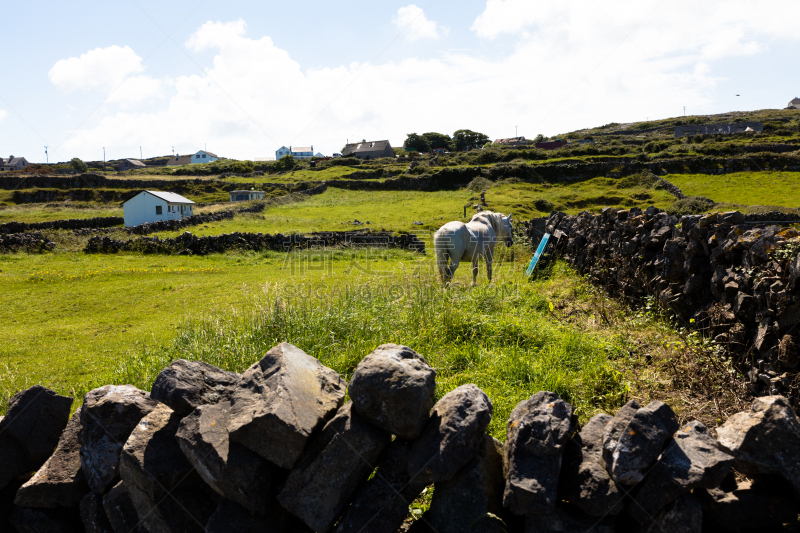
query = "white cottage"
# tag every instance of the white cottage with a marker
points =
(152, 206)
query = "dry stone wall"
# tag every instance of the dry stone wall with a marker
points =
(72, 223)
(277, 449)
(736, 281)
(189, 244)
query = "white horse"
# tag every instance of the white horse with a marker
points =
(468, 242)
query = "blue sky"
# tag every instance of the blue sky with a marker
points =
(247, 77)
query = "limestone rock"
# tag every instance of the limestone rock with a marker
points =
(165, 490)
(31, 520)
(232, 470)
(584, 481)
(393, 388)
(184, 385)
(35, 419)
(536, 434)
(693, 459)
(751, 505)
(381, 504)
(472, 501)
(93, 515)
(336, 462)
(683, 515)
(280, 401)
(120, 511)
(633, 440)
(15, 460)
(452, 436)
(108, 416)
(566, 519)
(230, 517)
(60, 481)
(765, 440)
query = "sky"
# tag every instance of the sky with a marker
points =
(243, 78)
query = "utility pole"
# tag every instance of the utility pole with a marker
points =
(104, 157)
(684, 111)
(140, 154)
(515, 132)
(173, 151)
(46, 157)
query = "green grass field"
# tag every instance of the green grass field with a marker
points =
(743, 188)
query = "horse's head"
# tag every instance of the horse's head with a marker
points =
(506, 230)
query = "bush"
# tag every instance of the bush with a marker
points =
(693, 205)
(78, 164)
(543, 205)
(478, 184)
(243, 167)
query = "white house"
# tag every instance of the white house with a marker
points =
(794, 104)
(243, 196)
(204, 157)
(298, 152)
(152, 206)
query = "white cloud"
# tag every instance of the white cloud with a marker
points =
(3, 114)
(570, 68)
(101, 67)
(411, 20)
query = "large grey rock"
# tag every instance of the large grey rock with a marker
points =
(14, 461)
(565, 519)
(165, 490)
(684, 515)
(230, 517)
(280, 401)
(336, 462)
(108, 416)
(33, 520)
(452, 436)
(381, 504)
(584, 481)
(393, 387)
(60, 481)
(120, 511)
(765, 440)
(232, 470)
(184, 385)
(536, 434)
(472, 501)
(35, 419)
(634, 439)
(693, 459)
(93, 515)
(751, 505)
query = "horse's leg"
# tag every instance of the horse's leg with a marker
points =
(474, 271)
(453, 266)
(489, 257)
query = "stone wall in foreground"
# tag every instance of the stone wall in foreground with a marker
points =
(735, 280)
(277, 449)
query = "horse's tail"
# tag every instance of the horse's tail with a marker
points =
(441, 253)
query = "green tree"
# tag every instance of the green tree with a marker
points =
(539, 138)
(416, 143)
(286, 162)
(437, 140)
(464, 140)
(78, 164)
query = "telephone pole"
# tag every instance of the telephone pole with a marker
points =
(684, 111)
(140, 154)
(46, 157)
(104, 157)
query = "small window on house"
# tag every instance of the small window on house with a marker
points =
(204, 156)
(158, 210)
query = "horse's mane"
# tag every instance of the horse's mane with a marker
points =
(491, 217)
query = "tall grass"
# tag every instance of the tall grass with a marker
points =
(499, 337)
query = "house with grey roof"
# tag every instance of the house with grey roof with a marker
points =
(13, 163)
(794, 104)
(368, 150)
(152, 206)
(298, 152)
(176, 160)
(130, 164)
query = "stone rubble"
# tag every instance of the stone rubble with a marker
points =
(167, 461)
